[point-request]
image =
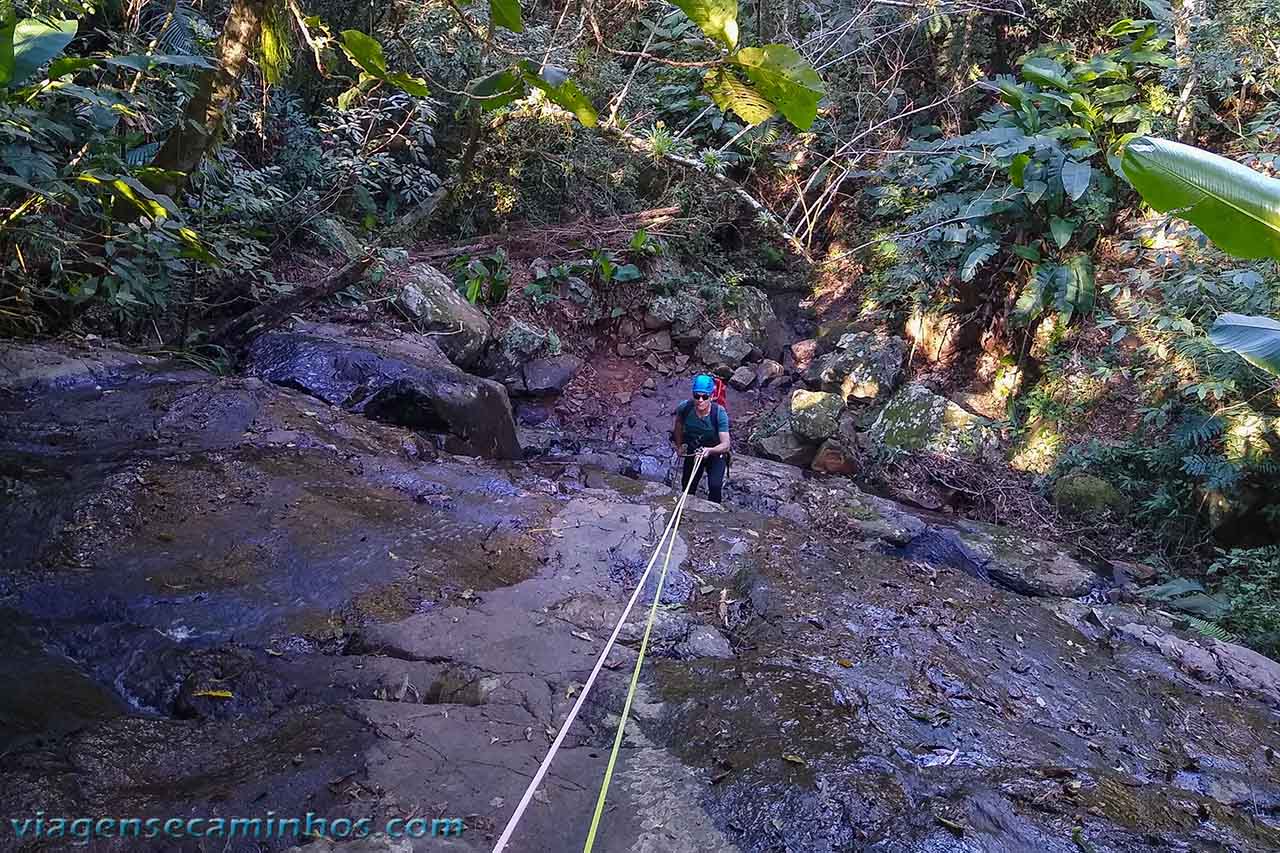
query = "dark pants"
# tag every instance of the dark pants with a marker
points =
(715, 467)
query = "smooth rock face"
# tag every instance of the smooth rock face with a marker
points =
(1026, 564)
(815, 415)
(430, 299)
(398, 633)
(398, 381)
(917, 419)
(863, 366)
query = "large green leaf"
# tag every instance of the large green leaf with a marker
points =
(1077, 287)
(1062, 229)
(560, 90)
(718, 19)
(731, 93)
(784, 77)
(365, 53)
(499, 88)
(506, 13)
(1238, 208)
(1075, 178)
(37, 42)
(1257, 339)
(1046, 72)
(7, 27)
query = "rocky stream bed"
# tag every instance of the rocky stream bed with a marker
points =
(227, 596)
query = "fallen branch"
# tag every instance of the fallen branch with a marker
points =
(549, 240)
(239, 331)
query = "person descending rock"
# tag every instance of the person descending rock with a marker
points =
(702, 429)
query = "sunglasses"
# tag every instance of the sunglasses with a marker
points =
(702, 396)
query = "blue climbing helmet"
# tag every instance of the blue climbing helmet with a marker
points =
(703, 384)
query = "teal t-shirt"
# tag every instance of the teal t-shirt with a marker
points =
(702, 432)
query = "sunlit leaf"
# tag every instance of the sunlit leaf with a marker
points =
(365, 53)
(1238, 208)
(718, 19)
(731, 94)
(1256, 339)
(1046, 72)
(35, 43)
(566, 95)
(786, 78)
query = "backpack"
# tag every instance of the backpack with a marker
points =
(718, 395)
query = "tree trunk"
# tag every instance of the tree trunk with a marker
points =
(202, 122)
(1184, 14)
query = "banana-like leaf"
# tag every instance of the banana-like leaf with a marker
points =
(718, 19)
(35, 43)
(1046, 72)
(1238, 208)
(786, 78)
(1257, 339)
(1077, 287)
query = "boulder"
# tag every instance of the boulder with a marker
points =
(659, 342)
(755, 319)
(1085, 495)
(519, 344)
(1212, 660)
(660, 313)
(429, 298)
(336, 238)
(802, 355)
(835, 457)
(815, 415)
(550, 375)
(776, 420)
(863, 366)
(723, 350)
(785, 447)
(917, 419)
(704, 642)
(405, 380)
(768, 371)
(743, 378)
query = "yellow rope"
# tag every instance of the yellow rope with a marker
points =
(635, 673)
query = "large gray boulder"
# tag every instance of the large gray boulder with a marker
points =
(430, 300)
(915, 418)
(754, 317)
(786, 447)
(723, 350)
(863, 366)
(815, 415)
(404, 380)
(550, 375)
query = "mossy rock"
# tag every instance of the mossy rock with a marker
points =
(915, 418)
(815, 415)
(1079, 493)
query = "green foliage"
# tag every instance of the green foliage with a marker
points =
(717, 18)
(506, 13)
(1250, 580)
(484, 278)
(1032, 180)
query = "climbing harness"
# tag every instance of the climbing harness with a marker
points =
(669, 531)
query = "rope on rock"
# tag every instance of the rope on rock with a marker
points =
(668, 537)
